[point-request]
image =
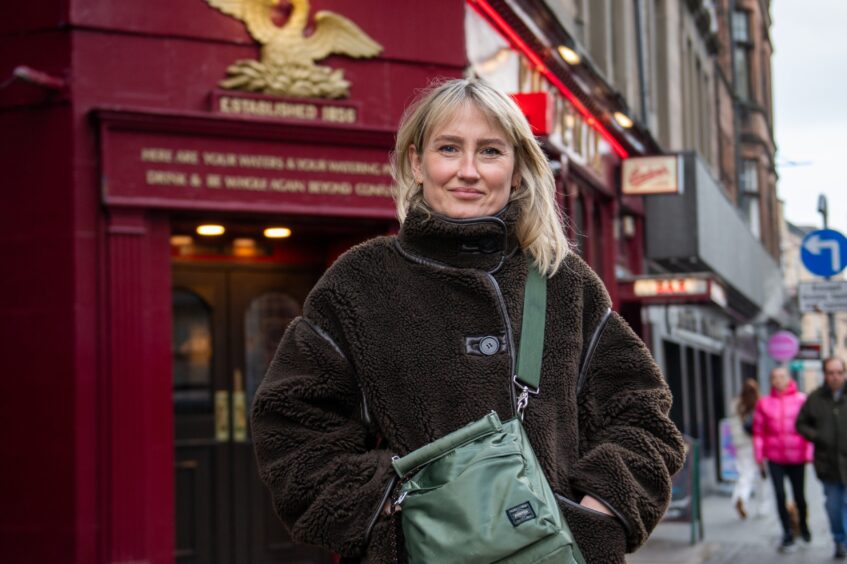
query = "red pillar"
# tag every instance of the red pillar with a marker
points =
(136, 409)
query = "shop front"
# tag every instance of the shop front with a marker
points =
(175, 196)
(193, 194)
(714, 299)
(522, 49)
(691, 335)
(217, 230)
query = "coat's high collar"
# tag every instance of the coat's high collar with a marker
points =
(481, 242)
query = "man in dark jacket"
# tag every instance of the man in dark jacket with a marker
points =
(821, 422)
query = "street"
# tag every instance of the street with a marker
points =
(728, 539)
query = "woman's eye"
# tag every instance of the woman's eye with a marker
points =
(448, 149)
(491, 152)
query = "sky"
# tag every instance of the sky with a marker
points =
(809, 69)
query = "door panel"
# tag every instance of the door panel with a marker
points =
(262, 304)
(200, 358)
(228, 320)
(193, 506)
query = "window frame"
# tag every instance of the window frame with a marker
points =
(742, 48)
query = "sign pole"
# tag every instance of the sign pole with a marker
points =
(823, 209)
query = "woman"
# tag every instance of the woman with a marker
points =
(750, 477)
(408, 338)
(776, 441)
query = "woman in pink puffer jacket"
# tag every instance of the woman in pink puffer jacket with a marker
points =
(776, 441)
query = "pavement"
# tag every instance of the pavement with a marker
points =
(729, 539)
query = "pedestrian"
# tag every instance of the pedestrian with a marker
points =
(821, 422)
(751, 478)
(408, 338)
(776, 441)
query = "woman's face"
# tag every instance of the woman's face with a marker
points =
(779, 379)
(466, 166)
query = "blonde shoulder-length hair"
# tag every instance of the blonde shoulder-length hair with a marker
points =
(540, 230)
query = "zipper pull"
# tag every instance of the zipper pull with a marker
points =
(395, 505)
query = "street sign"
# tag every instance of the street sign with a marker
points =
(783, 345)
(824, 252)
(809, 350)
(829, 296)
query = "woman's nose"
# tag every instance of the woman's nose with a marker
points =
(468, 170)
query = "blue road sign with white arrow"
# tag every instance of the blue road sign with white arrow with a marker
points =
(824, 252)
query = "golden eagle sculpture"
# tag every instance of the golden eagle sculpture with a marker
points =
(287, 67)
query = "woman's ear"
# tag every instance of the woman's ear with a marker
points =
(415, 162)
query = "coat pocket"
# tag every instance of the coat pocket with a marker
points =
(600, 537)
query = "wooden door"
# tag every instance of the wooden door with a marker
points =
(202, 450)
(224, 512)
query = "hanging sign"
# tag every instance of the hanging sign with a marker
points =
(652, 175)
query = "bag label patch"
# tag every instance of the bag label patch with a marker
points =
(520, 513)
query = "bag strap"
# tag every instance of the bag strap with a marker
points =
(528, 373)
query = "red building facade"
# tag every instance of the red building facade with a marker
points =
(127, 435)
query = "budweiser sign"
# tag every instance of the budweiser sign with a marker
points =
(652, 175)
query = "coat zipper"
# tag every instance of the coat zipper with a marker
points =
(589, 353)
(385, 496)
(501, 306)
(504, 313)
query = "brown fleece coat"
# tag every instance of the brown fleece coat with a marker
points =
(395, 325)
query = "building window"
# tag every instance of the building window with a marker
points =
(748, 181)
(742, 48)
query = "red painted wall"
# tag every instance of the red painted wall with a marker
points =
(161, 54)
(38, 479)
(85, 399)
(37, 318)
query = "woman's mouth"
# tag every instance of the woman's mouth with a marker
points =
(465, 193)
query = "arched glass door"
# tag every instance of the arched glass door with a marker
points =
(227, 322)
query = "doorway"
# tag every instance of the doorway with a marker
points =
(227, 321)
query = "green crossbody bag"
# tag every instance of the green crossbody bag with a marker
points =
(478, 494)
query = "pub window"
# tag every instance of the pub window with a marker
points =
(191, 352)
(748, 181)
(742, 49)
(489, 54)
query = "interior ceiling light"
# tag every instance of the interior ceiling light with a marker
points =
(623, 120)
(181, 240)
(210, 229)
(570, 56)
(277, 232)
(489, 13)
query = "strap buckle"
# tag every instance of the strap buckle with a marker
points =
(523, 398)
